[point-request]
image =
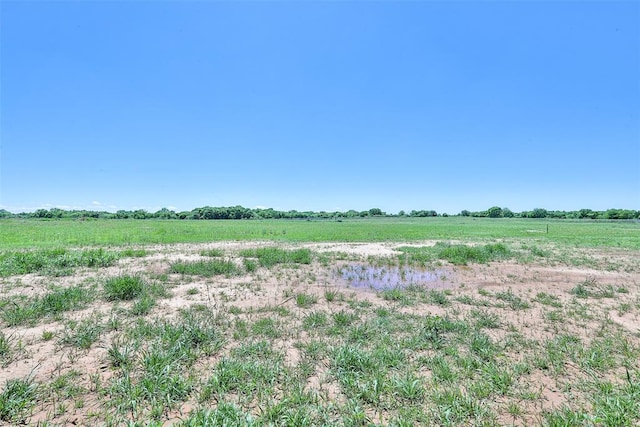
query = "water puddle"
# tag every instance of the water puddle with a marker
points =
(381, 278)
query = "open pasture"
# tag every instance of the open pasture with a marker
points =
(15, 233)
(438, 321)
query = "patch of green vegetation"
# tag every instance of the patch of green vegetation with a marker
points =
(250, 265)
(20, 234)
(17, 400)
(209, 268)
(224, 414)
(53, 303)
(215, 252)
(133, 253)
(513, 301)
(455, 254)
(305, 300)
(56, 262)
(590, 287)
(82, 334)
(124, 288)
(548, 299)
(463, 254)
(270, 256)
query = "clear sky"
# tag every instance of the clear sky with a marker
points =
(320, 105)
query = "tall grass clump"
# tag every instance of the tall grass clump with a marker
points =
(123, 288)
(268, 257)
(208, 268)
(16, 400)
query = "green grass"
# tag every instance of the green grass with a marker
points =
(463, 254)
(123, 288)
(17, 399)
(53, 303)
(56, 262)
(268, 257)
(455, 254)
(21, 234)
(208, 268)
(212, 252)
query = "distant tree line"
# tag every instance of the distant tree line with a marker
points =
(239, 212)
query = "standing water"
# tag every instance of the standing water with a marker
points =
(381, 278)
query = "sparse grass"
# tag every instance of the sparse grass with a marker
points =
(513, 301)
(590, 287)
(209, 268)
(270, 256)
(547, 299)
(305, 300)
(455, 254)
(133, 253)
(8, 349)
(215, 252)
(53, 303)
(82, 334)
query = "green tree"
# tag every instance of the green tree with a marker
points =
(494, 212)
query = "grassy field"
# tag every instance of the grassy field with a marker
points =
(402, 322)
(15, 234)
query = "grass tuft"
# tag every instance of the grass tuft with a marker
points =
(123, 288)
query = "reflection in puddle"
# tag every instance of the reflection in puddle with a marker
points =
(381, 278)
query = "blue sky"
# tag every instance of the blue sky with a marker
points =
(320, 105)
